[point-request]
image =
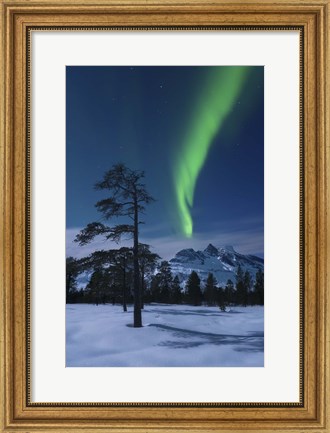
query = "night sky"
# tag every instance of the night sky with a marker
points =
(197, 132)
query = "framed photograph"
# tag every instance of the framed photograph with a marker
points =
(165, 188)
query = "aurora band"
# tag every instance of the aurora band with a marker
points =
(217, 98)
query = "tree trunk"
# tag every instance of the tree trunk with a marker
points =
(142, 288)
(137, 294)
(124, 291)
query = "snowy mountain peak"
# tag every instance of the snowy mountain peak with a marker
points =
(187, 255)
(211, 250)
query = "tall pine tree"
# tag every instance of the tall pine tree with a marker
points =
(259, 287)
(165, 281)
(147, 262)
(72, 271)
(193, 289)
(247, 287)
(240, 295)
(176, 293)
(210, 291)
(229, 295)
(128, 197)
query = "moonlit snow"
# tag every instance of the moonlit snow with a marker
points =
(171, 336)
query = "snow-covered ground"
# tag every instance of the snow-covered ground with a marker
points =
(172, 336)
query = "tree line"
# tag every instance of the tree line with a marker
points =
(112, 281)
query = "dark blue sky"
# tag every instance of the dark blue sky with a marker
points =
(141, 116)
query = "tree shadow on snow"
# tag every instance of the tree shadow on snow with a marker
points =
(252, 342)
(196, 312)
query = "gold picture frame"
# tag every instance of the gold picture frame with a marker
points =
(312, 413)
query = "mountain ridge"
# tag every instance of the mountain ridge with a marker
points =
(221, 261)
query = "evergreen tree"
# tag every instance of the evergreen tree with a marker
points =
(221, 301)
(229, 295)
(193, 289)
(147, 262)
(176, 293)
(259, 287)
(165, 281)
(128, 199)
(247, 287)
(121, 269)
(241, 292)
(72, 271)
(210, 291)
(243, 286)
(155, 288)
(96, 286)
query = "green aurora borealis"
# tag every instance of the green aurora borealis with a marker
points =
(216, 99)
(197, 132)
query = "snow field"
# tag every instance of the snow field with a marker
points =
(171, 336)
